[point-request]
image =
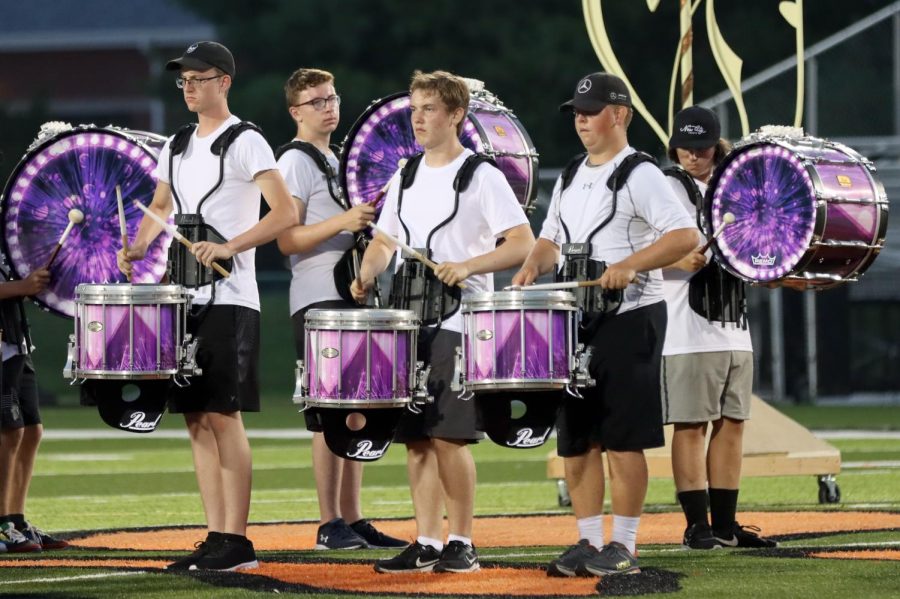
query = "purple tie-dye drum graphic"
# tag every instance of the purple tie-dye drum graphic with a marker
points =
(80, 168)
(127, 331)
(807, 211)
(360, 358)
(518, 340)
(383, 136)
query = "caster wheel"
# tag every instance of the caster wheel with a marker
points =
(562, 494)
(829, 491)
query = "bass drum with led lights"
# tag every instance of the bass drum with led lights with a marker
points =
(809, 213)
(79, 167)
(383, 136)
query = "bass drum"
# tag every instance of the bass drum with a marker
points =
(383, 136)
(79, 167)
(809, 213)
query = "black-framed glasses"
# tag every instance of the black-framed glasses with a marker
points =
(183, 82)
(319, 104)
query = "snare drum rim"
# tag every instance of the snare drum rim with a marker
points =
(319, 402)
(361, 320)
(90, 294)
(123, 374)
(492, 301)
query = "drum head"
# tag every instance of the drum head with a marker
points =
(80, 168)
(772, 196)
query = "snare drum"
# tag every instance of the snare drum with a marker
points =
(383, 136)
(358, 358)
(127, 331)
(808, 212)
(522, 340)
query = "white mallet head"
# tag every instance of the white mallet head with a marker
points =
(76, 215)
(728, 218)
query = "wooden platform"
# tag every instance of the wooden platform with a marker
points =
(774, 445)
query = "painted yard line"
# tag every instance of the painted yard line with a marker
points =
(851, 435)
(872, 464)
(70, 578)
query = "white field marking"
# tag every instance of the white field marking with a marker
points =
(87, 457)
(68, 578)
(850, 435)
(77, 434)
(872, 464)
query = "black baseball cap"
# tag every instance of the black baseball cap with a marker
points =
(203, 55)
(695, 127)
(595, 91)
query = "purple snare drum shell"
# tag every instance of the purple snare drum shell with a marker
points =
(518, 339)
(127, 331)
(804, 208)
(357, 361)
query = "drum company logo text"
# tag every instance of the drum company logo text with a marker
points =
(763, 260)
(364, 451)
(525, 438)
(137, 421)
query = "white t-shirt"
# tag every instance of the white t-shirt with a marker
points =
(312, 278)
(232, 209)
(486, 209)
(688, 332)
(646, 208)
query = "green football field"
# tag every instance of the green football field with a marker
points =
(141, 482)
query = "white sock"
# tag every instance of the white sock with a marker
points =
(625, 531)
(463, 540)
(591, 528)
(431, 542)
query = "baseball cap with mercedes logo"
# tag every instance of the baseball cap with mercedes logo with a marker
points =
(595, 91)
(695, 127)
(203, 55)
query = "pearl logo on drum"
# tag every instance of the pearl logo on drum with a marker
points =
(137, 421)
(330, 352)
(525, 438)
(95, 326)
(484, 335)
(500, 130)
(364, 451)
(844, 181)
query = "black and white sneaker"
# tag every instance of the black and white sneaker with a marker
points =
(228, 555)
(336, 534)
(572, 559)
(700, 536)
(201, 548)
(614, 558)
(415, 558)
(47, 542)
(457, 557)
(744, 536)
(375, 538)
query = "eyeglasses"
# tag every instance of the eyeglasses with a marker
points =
(319, 103)
(183, 82)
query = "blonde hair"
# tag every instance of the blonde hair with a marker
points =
(302, 79)
(450, 88)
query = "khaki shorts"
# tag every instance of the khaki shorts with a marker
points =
(705, 387)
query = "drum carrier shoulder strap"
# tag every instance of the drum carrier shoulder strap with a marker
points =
(321, 162)
(690, 187)
(14, 326)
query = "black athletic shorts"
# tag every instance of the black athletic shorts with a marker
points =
(448, 417)
(313, 422)
(19, 399)
(623, 412)
(228, 353)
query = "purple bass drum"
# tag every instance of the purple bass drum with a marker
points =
(809, 213)
(130, 332)
(383, 136)
(358, 358)
(79, 167)
(519, 340)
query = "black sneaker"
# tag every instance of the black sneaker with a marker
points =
(568, 563)
(228, 555)
(415, 558)
(47, 542)
(201, 548)
(457, 557)
(700, 536)
(335, 534)
(744, 536)
(614, 558)
(14, 541)
(375, 538)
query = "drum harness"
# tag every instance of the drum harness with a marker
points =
(347, 268)
(14, 327)
(731, 304)
(414, 285)
(185, 270)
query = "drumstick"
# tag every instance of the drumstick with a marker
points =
(75, 217)
(400, 164)
(174, 231)
(122, 229)
(727, 219)
(423, 259)
(551, 286)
